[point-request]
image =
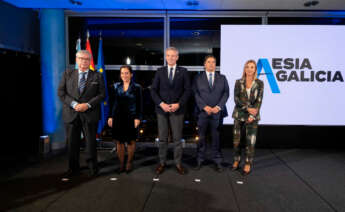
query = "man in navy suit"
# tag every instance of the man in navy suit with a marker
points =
(211, 92)
(170, 91)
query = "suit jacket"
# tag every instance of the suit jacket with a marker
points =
(206, 96)
(243, 101)
(93, 93)
(177, 92)
(129, 102)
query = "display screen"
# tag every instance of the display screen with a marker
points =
(302, 67)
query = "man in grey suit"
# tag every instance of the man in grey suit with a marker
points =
(170, 92)
(211, 92)
(81, 92)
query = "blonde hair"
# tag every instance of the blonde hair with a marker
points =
(244, 69)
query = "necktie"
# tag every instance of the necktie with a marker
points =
(210, 79)
(82, 82)
(171, 75)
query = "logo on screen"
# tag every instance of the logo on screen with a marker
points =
(297, 70)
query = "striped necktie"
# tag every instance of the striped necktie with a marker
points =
(82, 82)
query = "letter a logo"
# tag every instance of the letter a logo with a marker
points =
(264, 64)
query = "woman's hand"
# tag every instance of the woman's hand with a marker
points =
(136, 123)
(250, 120)
(110, 122)
(253, 111)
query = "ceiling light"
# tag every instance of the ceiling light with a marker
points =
(75, 2)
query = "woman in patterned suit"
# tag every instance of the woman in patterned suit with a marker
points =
(248, 98)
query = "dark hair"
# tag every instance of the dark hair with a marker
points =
(209, 56)
(127, 67)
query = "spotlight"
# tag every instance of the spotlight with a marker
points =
(192, 3)
(128, 61)
(75, 2)
(197, 138)
(311, 3)
(141, 131)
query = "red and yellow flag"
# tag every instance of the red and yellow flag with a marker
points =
(88, 48)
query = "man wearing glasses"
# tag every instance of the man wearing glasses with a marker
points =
(81, 92)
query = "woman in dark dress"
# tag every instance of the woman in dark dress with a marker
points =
(125, 116)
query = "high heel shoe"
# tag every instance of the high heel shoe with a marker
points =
(244, 173)
(129, 168)
(235, 168)
(120, 170)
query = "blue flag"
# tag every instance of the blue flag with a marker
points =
(104, 105)
(77, 48)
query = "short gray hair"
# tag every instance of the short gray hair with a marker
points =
(83, 52)
(171, 48)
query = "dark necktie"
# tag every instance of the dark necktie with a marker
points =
(82, 82)
(210, 79)
(171, 75)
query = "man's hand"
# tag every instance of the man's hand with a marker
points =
(215, 110)
(252, 111)
(136, 123)
(208, 110)
(81, 107)
(110, 122)
(165, 107)
(174, 107)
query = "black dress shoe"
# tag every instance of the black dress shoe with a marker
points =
(69, 174)
(198, 166)
(219, 168)
(180, 170)
(160, 169)
(93, 172)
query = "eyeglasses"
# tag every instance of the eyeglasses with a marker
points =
(84, 58)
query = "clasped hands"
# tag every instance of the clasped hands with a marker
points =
(211, 110)
(81, 107)
(252, 111)
(169, 108)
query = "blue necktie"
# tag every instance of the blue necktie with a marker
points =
(171, 75)
(210, 79)
(82, 82)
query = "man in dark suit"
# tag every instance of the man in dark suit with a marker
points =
(170, 92)
(211, 92)
(81, 92)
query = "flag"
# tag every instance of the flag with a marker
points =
(88, 48)
(77, 48)
(104, 105)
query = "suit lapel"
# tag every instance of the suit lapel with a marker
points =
(244, 88)
(177, 73)
(205, 79)
(75, 82)
(165, 73)
(216, 79)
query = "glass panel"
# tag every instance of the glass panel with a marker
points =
(197, 37)
(138, 41)
(306, 21)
